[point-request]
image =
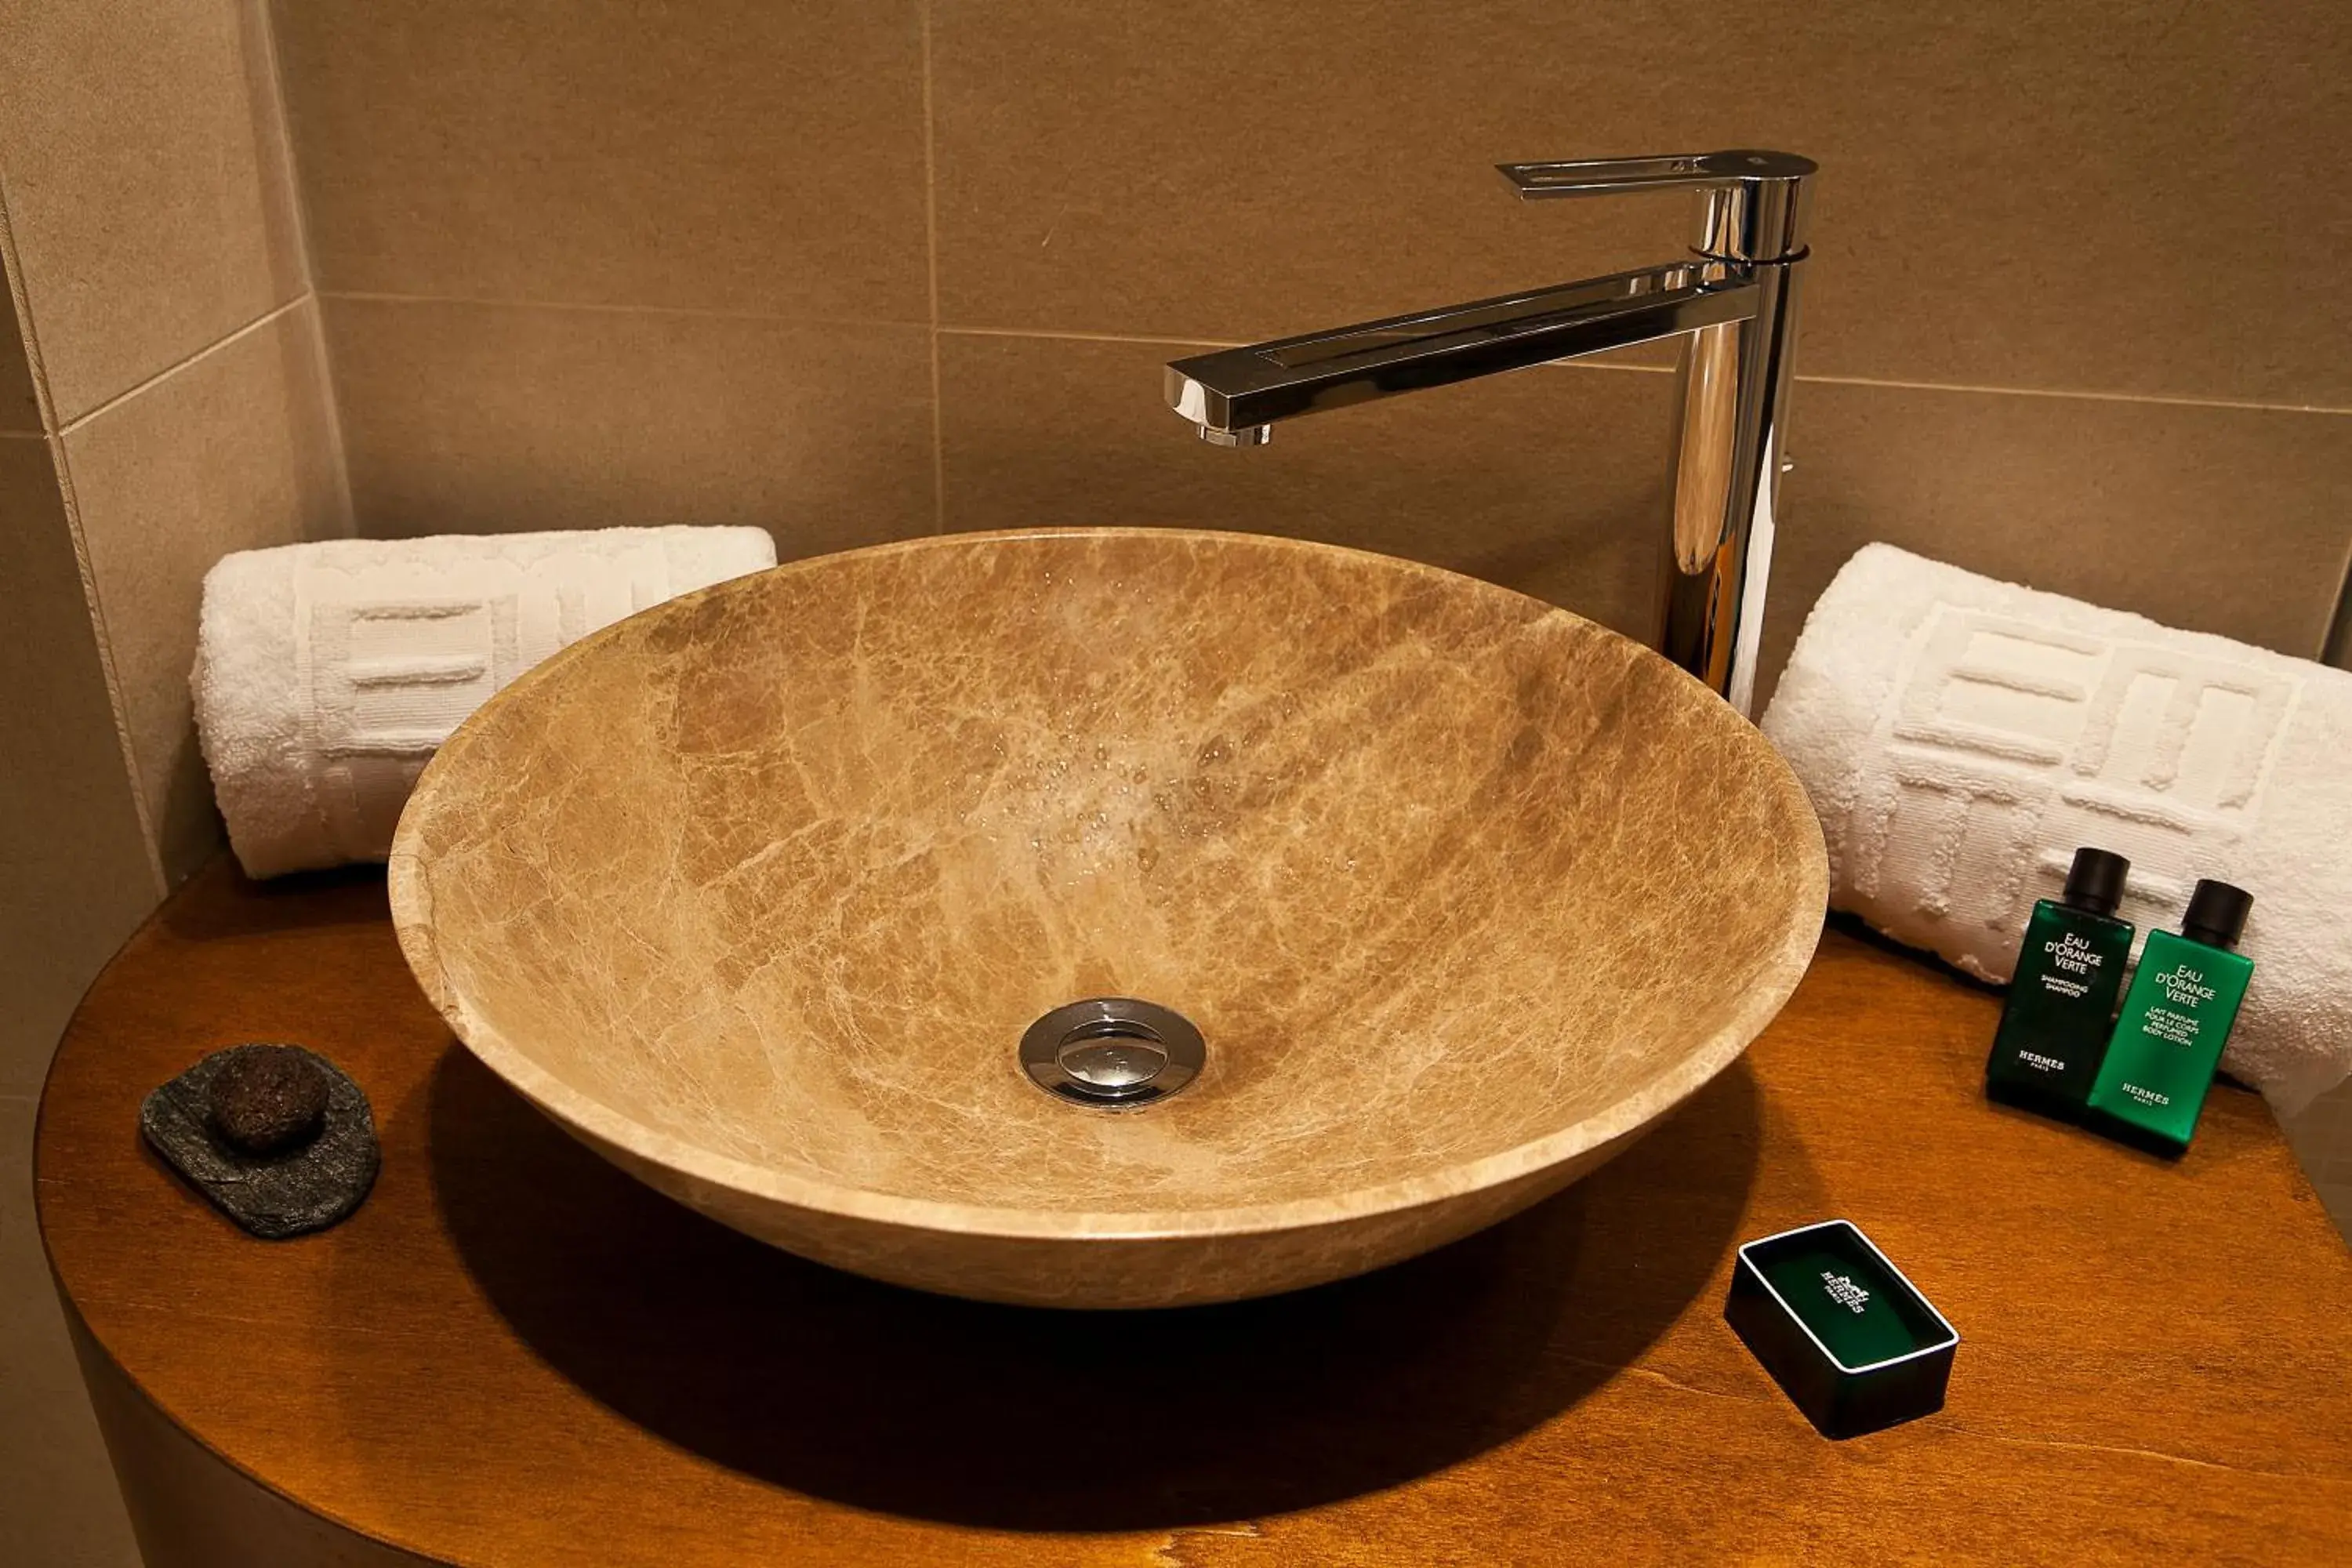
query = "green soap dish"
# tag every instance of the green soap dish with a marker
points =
(1851, 1340)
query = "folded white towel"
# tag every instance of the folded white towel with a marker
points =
(327, 674)
(1959, 737)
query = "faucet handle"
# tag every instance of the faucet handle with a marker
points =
(1753, 205)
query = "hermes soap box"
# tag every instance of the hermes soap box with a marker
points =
(1851, 1340)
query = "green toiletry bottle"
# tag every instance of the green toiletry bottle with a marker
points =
(2062, 997)
(2175, 1021)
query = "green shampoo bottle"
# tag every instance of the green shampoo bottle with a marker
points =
(2176, 1019)
(2061, 1000)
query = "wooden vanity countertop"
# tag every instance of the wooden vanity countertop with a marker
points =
(515, 1354)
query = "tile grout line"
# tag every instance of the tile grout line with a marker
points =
(298, 204)
(594, 307)
(169, 371)
(1077, 337)
(21, 301)
(1074, 337)
(2154, 399)
(1142, 341)
(1048, 334)
(931, 278)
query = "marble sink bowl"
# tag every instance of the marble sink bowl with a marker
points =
(756, 893)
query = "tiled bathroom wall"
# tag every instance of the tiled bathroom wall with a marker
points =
(863, 269)
(172, 341)
(163, 400)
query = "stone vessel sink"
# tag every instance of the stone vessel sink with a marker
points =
(756, 893)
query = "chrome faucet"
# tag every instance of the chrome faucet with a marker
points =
(1734, 303)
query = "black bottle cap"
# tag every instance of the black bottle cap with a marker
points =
(2216, 914)
(2096, 882)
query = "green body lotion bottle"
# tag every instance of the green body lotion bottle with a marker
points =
(2176, 1019)
(2061, 1000)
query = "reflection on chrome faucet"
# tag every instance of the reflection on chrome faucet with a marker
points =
(1733, 302)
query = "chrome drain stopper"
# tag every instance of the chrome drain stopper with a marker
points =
(1114, 1053)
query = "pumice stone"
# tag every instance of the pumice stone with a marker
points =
(278, 1137)
(266, 1100)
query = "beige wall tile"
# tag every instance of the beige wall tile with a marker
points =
(2339, 633)
(58, 1505)
(2111, 196)
(146, 183)
(233, 452)
(2218, 520)
(731, 154)
(20, 410)
(74, 871)
(493, 419)
(1551, 480)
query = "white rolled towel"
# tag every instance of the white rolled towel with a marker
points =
(1960, 736)
(327, 674)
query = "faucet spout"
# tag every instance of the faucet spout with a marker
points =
(1237, 389)
(1732, 302)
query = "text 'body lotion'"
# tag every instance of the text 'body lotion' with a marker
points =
(2177, 1017)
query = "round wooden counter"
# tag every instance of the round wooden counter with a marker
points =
(515, 1354)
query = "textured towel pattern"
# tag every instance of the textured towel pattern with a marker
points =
(1959, 737)
(327, 674)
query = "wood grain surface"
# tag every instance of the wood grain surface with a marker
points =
(514, 1354)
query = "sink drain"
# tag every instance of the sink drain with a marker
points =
(1114, 1053)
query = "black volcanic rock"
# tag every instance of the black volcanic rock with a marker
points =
(267, 1099)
